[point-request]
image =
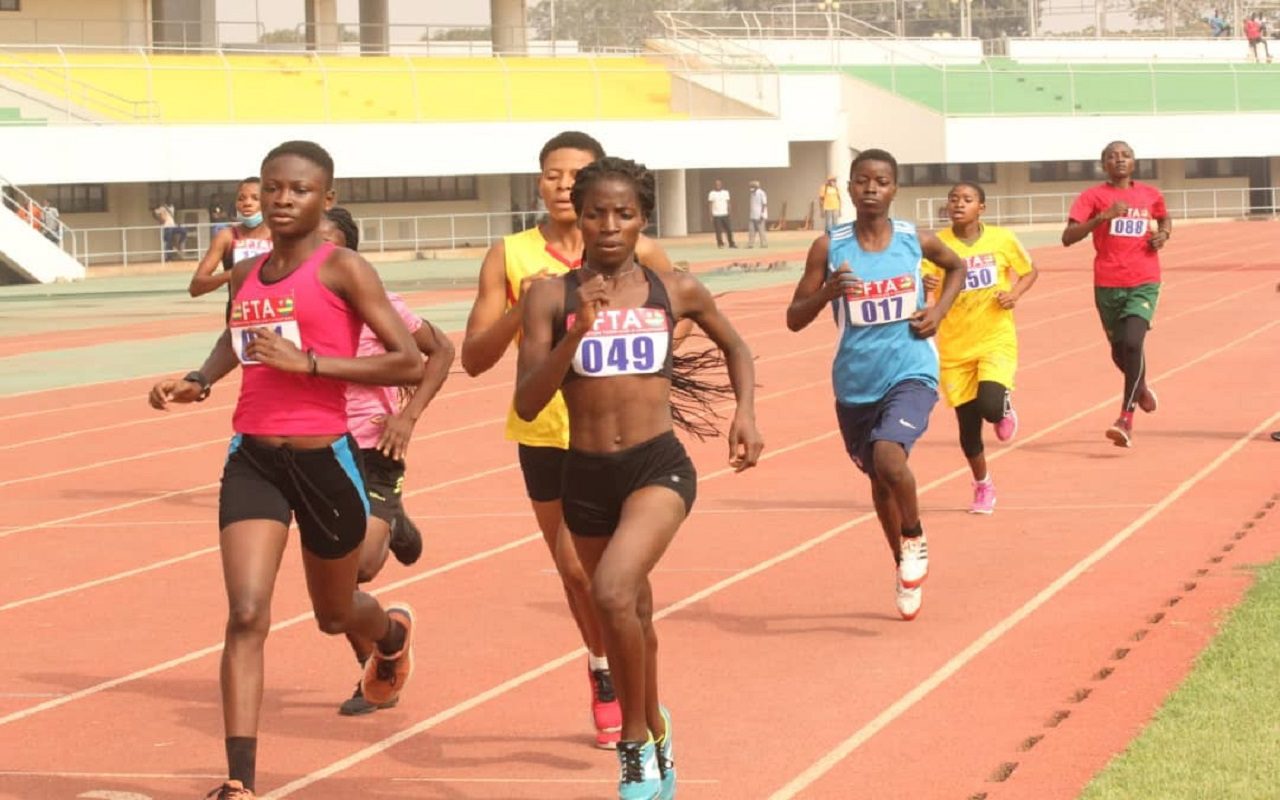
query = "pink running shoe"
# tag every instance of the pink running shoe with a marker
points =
(984, 497)
(606, 712)
(1121, 433)
(1007, 427)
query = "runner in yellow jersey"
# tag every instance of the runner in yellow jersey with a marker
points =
(977, 341)
(552, 248)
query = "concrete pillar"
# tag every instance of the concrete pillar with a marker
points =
(375, 29)
(322, 25)
(508, 27)
(673, 209)
(839, 157)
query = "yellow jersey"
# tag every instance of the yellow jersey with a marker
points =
(976, 323)
(528, 253)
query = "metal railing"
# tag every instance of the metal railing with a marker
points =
(68, 98)
(38, 216)
(1028, 209)
(145, 244)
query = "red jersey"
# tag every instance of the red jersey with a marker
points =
(1124, 256)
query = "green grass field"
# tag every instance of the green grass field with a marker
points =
(1218, 735)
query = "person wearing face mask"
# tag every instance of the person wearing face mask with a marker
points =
(248, 238)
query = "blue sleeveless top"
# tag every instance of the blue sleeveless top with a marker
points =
(877, 348)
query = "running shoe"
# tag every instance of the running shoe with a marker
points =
(638, 776)
(606, 712)
(666, 758)
(386, 675)
(1007, 427)
(915, 561)
(406, 540)
(1147, 400)
(357, 706)
(909, 600)
(231, 790)
(984, 497)
(1121, 432)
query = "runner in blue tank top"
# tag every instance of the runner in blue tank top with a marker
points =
(885, 373)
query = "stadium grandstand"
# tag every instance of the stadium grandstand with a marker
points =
(184, 101)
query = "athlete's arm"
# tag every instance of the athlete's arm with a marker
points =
(491, 326)
(397, 433)
(1077, 229)
(541, 368)
(816, 288)
(205, 280)
(1164, 230)
(925, 321)
(697, 304)
(352, 278)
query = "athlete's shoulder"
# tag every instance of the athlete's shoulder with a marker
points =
(902, 226)
(839, 232)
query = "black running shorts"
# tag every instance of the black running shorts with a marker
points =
(597, 484)
(543, 469)
(383, 482)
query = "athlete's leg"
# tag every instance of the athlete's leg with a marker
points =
(889, 516)
(969, 421)
(340, 608)
(1133, 333)
(251, 554)
(373, 556)
(620, 566)
(577, 584)
(895, 476)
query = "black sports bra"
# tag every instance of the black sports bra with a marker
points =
(625, 341)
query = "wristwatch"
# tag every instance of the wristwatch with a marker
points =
(196, 376)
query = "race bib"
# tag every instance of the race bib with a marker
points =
(881, 302)
(981, 272)
(624, 341)
(249, 248)
(274, 313)
(1130, 227)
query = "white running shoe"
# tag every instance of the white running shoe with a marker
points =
(915, 561)
(909, 600)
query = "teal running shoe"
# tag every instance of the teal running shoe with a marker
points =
(638, 777)
(666, 759)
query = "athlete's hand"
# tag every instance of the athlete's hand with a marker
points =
(1117, 209)
(842, 283)
(529, 280)
(1158, 239)
(592, 296)
(745, 443)
(931, 283)
(397, 432)
(924, 323)
(173, 390)
(1007, 300)
(269, 348)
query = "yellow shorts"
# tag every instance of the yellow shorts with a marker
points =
(959, 379)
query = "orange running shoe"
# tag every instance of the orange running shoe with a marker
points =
(231, 790)
(385, 676)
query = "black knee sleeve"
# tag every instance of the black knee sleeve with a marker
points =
(970, 424)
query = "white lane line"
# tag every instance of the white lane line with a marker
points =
(507, 686)
(904, 703)
(547, 781)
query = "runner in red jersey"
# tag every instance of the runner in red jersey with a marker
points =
(1129, 224)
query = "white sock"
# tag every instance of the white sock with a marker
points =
(986, 480)
(597, 662)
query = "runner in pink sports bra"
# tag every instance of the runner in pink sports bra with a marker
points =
(295, 319)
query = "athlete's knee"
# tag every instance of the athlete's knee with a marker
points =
(891, 464)
(370, 565)
(333, 621)
(614, 596)
(249, 617)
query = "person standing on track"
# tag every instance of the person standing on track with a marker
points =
(250, 237)
(381, 420)
(1130, 224)
(511, 266)
(977, 341)
(295, 322)
(885, 372)
(605, 334)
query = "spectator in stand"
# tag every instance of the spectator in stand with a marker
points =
(217, 216)
(52, 223)
(1217, 24)
(718, 203)
(173, 236)
(829, 202)
(1255, 30)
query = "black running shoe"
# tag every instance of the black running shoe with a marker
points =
(406, 540)
(357, 706)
